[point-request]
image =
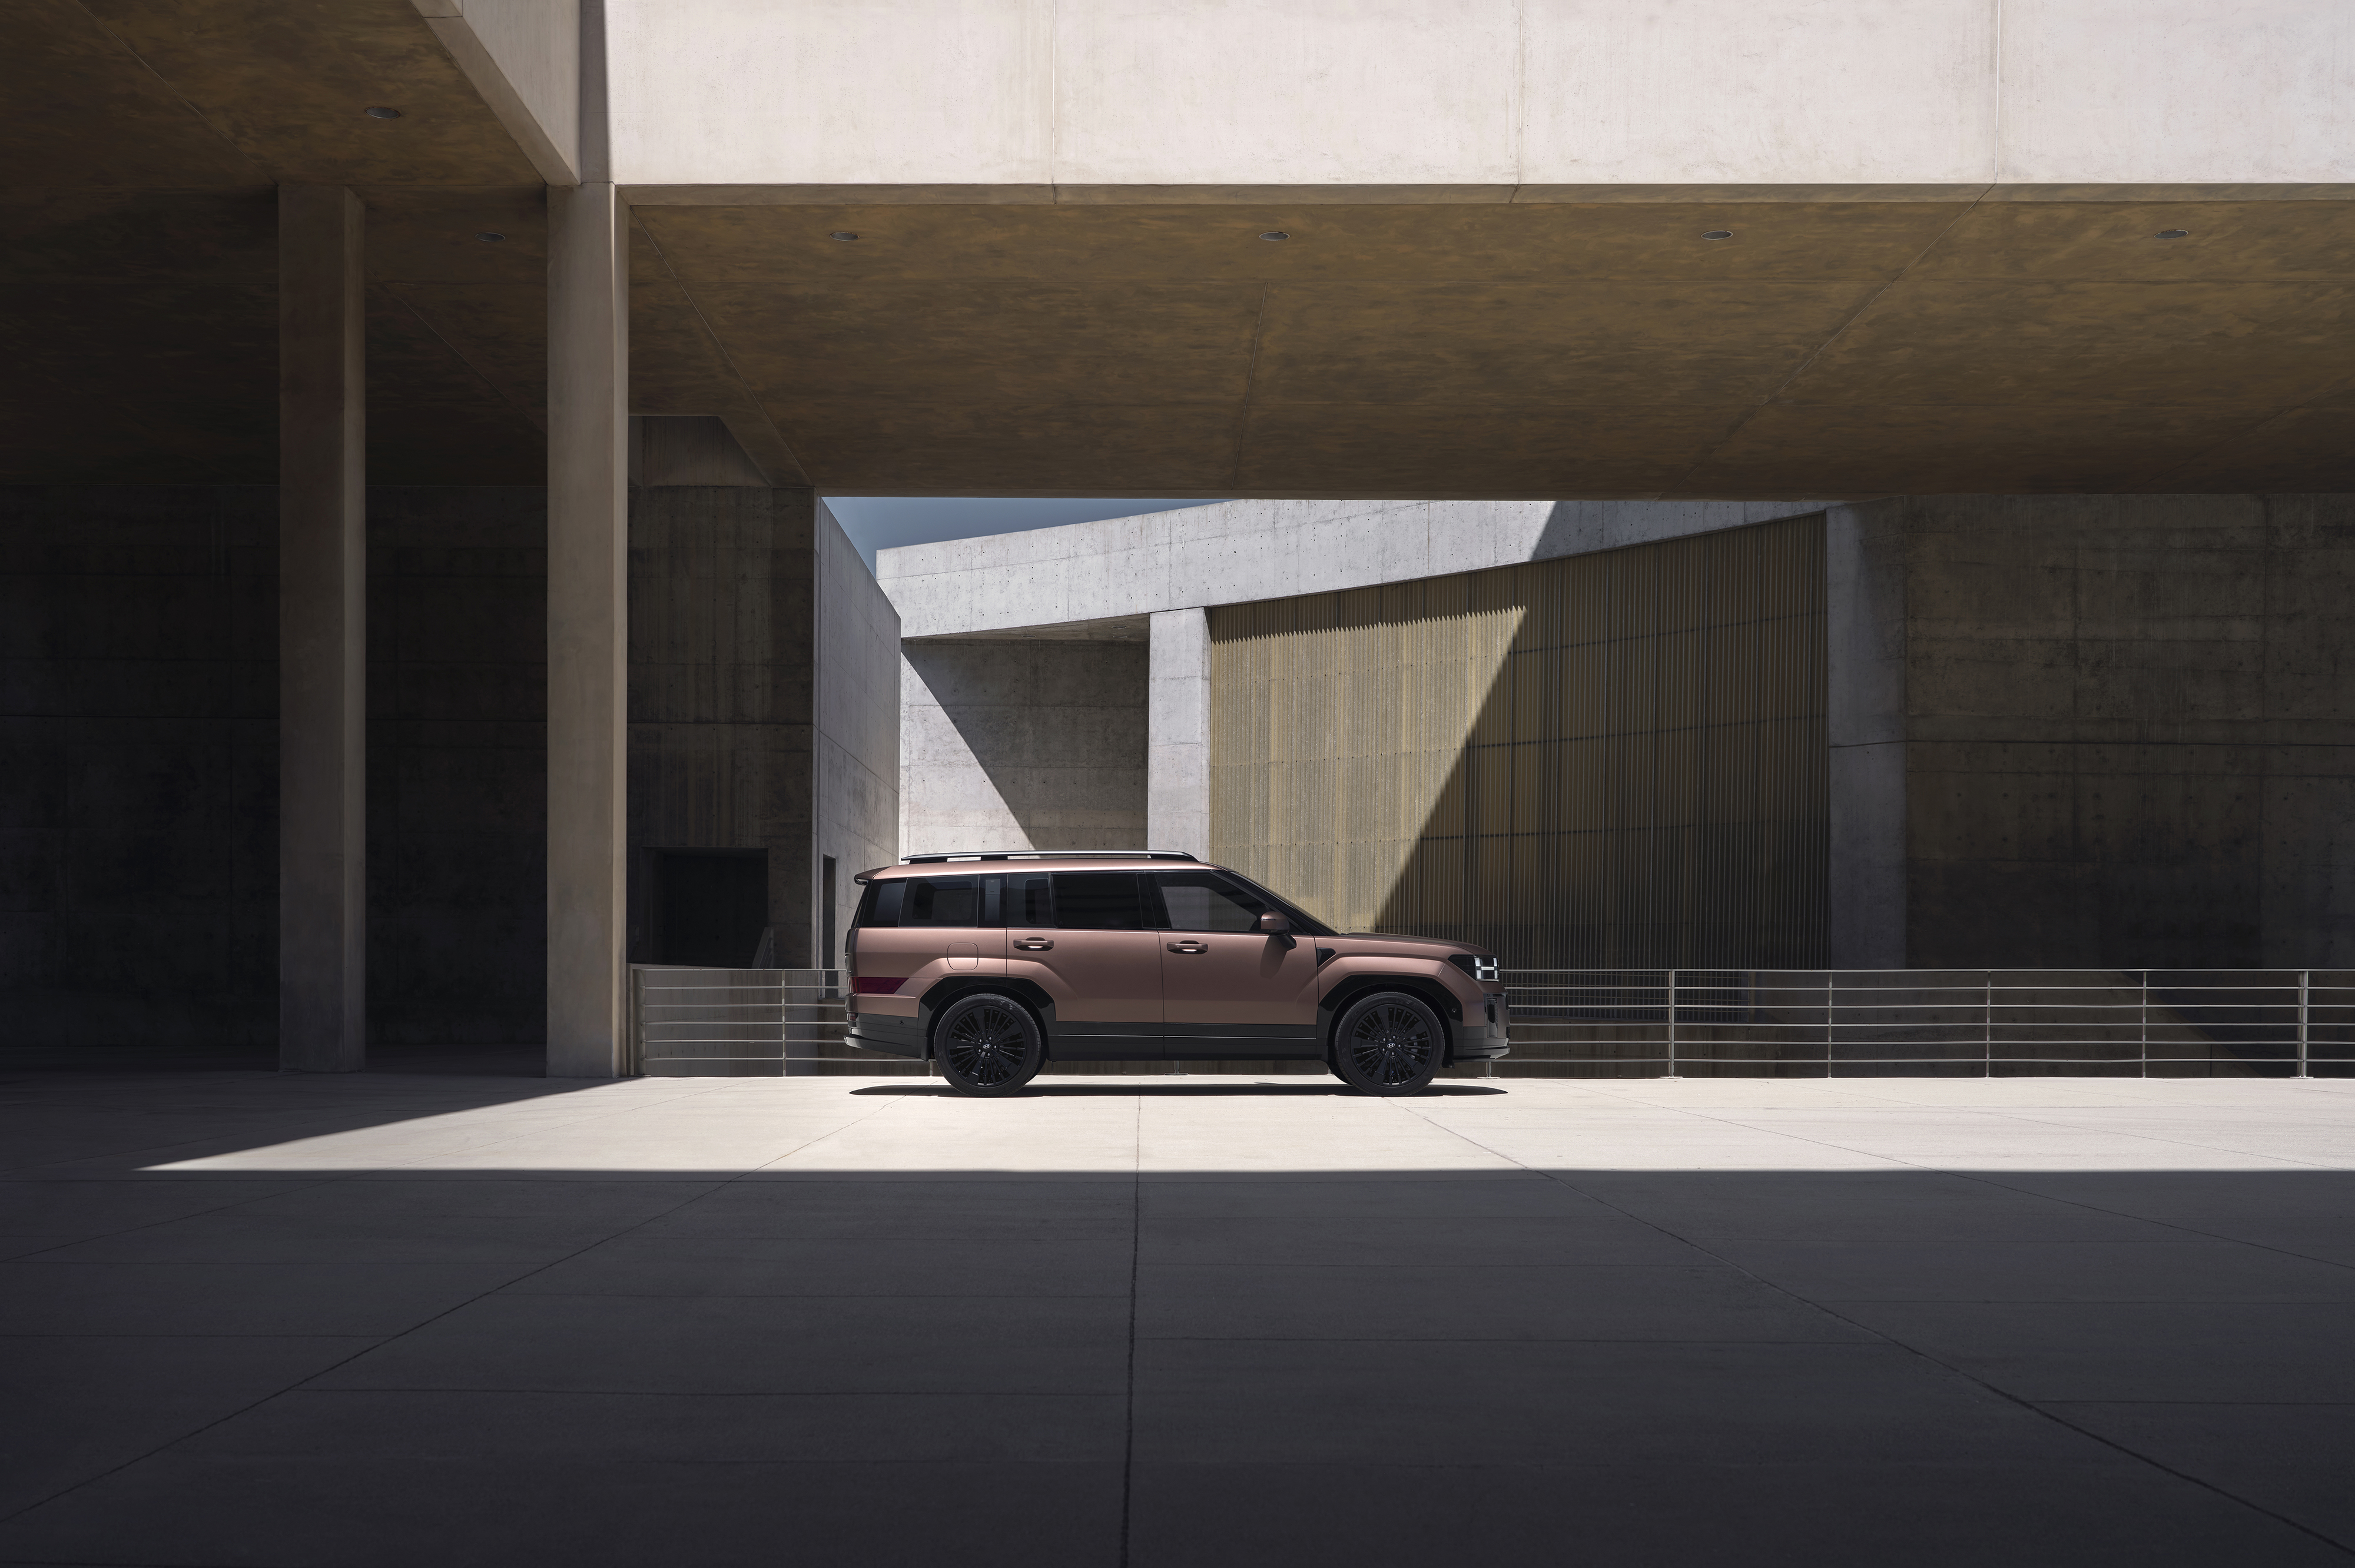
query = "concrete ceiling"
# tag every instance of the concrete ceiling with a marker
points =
(2024, 340)
(1556, 349)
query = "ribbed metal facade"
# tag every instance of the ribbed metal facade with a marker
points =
(1606, 760)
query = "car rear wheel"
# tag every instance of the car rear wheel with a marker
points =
(988, 1044)
(1387, 1044)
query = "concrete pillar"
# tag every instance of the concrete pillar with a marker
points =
(588, 626)
(322, 632)
(1865, 723)
(1178, 733)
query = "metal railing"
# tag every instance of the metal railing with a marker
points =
(1677, 1022)
(1986, 1023)
(689, 1022)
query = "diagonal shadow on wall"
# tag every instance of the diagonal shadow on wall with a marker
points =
(1607, 760)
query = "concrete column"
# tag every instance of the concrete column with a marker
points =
(588, 626)
(322, 632)
(1178, 733)
(1865, 648)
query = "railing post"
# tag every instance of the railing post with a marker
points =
(1830, 976)
(1986, 1027)
(2145, 1023)
(2304, 979)
(634, 1028)
(1672, 1024)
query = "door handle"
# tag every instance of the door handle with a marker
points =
(1190, 947)
(1033, 944)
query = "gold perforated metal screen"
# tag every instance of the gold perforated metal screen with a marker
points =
(1602, 761)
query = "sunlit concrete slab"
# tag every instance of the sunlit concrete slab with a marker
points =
(1175, 1321)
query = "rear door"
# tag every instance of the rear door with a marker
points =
(1081, 936)
(1228, 989)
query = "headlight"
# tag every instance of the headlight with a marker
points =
(1479, 966)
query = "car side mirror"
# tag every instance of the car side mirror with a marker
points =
(1275, 924)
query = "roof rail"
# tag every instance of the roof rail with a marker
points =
(1042, 854)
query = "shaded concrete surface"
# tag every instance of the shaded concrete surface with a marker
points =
(2114, 729)
(1023, 745)
(390, 1319)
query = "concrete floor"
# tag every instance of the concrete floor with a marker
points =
(409, 1318)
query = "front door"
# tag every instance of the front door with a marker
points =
(1228, 989)
(1081, 936)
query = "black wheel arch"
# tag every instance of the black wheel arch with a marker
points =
(1423, 988)
(1029, 993)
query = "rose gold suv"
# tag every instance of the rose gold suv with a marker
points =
(994, 964)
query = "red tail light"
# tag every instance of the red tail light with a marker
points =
(876, 985)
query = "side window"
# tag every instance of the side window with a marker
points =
(1027, 902)
(1098, 901)
(1198, 901)
(943, 901)
(880, 907)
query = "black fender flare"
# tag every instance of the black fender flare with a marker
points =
(1424, 988)
(947, 989)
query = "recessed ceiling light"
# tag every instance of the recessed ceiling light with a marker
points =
(490, 236)
(2174, 234)
(1717, 234)
(841, 234)
(379, 111)
(1275, 234)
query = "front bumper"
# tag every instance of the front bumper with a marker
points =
(1486, 1034)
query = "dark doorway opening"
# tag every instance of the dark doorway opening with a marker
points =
(712, 906)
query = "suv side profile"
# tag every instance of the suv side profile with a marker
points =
(993, 963)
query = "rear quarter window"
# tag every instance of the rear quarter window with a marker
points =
(943, 901)
(879, 906)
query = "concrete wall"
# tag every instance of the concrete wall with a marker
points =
(722, 665)
(1151, 576)
(1018, 743)
(2126, 733)
(857, 719)
(139, 750)
(138, 743)
(138, 825)
(457, 764)
(1496, 98)
(763, 664)
(2109, 731)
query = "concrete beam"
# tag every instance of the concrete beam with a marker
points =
(1489, 100)
(1178, 733)
(322, 632)
(524, 58)
(1131, 566)
(588, 628)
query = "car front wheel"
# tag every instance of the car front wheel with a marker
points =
(1387, 1044)
(988, 1044)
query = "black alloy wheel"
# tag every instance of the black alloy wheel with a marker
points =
(988, 1044)
(1388, 1043)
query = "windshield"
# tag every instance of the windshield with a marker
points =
(1302, 921)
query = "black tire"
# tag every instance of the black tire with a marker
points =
(988, 1044)
(1387, 1044)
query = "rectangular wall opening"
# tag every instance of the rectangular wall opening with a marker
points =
(710, 907)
